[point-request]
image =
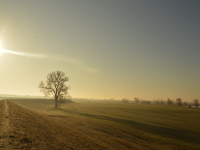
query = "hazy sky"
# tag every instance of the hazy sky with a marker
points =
(118, 48)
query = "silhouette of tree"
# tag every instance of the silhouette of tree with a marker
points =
(55, 85)
(196, 102)
(125, 100)
(169, 101)
(179, 101)
(185, 104)
(136, 100)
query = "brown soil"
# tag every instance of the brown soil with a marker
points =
(21, 128)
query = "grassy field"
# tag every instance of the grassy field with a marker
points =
(152, 125)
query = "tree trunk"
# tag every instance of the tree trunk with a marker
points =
(56, 101)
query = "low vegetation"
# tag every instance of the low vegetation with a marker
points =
(139, 126)
(177, 102)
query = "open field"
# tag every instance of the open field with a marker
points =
(35, 124)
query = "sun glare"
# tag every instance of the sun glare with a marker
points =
(0, 48)
(0, 45)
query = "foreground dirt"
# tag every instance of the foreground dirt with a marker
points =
(5, 125)
(21, 128)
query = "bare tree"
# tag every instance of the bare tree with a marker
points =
(179, 101)
(196, 102)
(169, 101)
(185, 104)
(136, 100)
(55, 86)
(125, 100)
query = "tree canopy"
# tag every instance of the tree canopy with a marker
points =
(55, 86)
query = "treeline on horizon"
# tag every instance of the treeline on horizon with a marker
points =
(178, 102)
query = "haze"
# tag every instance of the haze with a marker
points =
(108, 49)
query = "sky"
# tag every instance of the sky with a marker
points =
(109, 49)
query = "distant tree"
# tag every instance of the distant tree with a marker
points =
(185, 104)
(169, 101)
(161, 102)
(156, 101)
(196, 102)
(179, 101)
(136, 100)
(55, 86)
(125, 100)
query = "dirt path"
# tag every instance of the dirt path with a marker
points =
(5, 126)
